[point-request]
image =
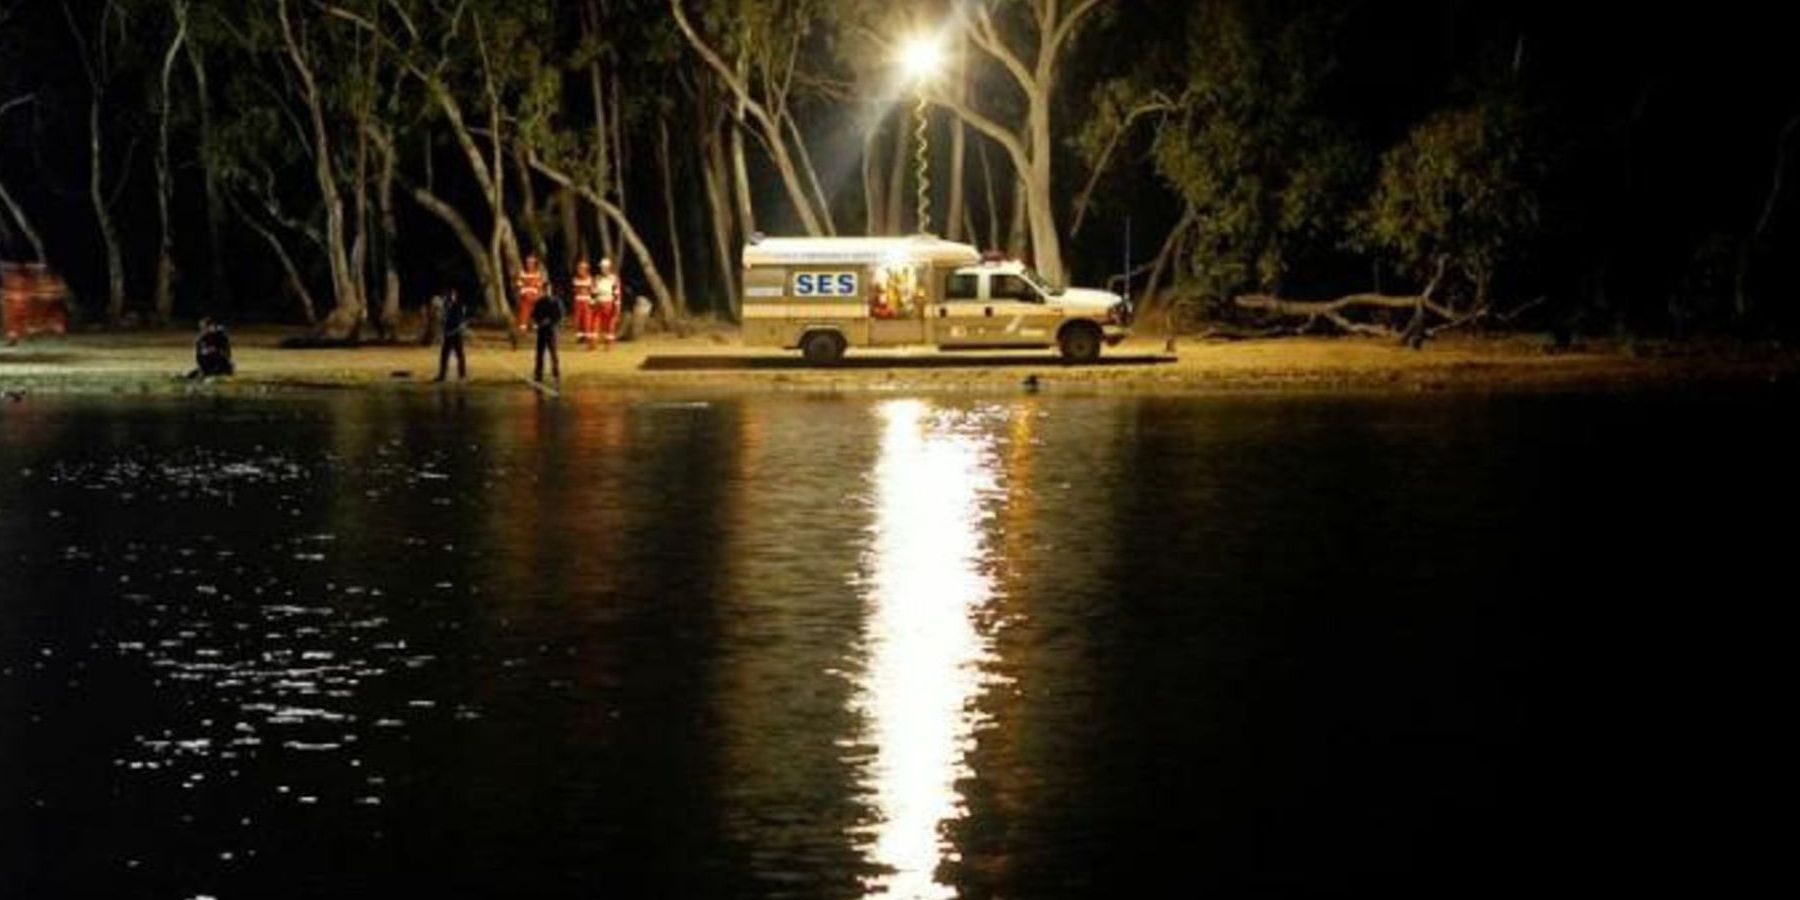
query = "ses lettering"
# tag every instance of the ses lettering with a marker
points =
(825, 284)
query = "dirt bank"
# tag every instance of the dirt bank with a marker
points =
(152, 361)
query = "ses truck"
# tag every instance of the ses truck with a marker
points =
(823, 296)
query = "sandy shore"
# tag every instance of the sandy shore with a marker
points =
(133, 362)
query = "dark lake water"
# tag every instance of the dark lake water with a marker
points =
(491, 645)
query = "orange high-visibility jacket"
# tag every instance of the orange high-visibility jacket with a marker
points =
(530, 285)
(607, 289)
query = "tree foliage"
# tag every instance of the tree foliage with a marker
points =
(1461, 188)
(343, 159)
(1241, 142)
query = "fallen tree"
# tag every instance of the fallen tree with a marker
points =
(1430, 318)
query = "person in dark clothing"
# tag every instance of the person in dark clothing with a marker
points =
(456, 322)
(212, 351)
(546, 314)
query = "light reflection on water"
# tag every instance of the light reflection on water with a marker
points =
(926, 584)
(477, 645)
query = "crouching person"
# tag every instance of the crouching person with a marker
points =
(212, 351)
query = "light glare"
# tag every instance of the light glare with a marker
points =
(921, 58)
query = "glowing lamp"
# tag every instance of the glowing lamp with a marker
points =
(921, 58)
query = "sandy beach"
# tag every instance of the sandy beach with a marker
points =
(153, 361)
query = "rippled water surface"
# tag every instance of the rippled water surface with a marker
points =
(501, 646)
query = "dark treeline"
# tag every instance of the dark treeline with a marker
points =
(337, 161)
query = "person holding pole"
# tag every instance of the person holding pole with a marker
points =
(546, 314)
(456, 320)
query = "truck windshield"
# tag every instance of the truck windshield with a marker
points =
(1038, 282)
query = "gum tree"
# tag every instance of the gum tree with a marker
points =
(1028, 40)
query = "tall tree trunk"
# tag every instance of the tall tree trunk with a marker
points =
(373, 198)
(528, 201)
(666, 160)
(1046, 238)
(502, 242)
(740, 181)
(896, 188)
(96, 65)
(620, 180)
(568, 214)
(359, 245)
(874, 194)
(959, 149)
(603, 167)
(390, 247)
(506, 259)
(716, 174)
(165, 259)
(218, 288)
(993, 197)
(1030, 146)
(109, 234)
(347, 316)
(1017, 233)
(503, 250)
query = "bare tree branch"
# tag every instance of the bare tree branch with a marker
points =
(20, 100)
(1067, 26)
(1000, 134)
(982, 33)
(817, 220)
(638, 248)
(1158, 103)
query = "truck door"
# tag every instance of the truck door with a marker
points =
(1017, 315)
(960, 320)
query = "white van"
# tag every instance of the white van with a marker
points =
(823, 296)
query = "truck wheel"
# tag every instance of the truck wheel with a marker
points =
(822, 348)
(1080, 343)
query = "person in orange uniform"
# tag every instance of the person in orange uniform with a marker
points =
(529, 285)
(608, 293)
(587, 315)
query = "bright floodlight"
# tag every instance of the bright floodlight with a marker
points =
(921, 58)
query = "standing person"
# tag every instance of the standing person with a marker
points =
(456, 320)
(529, 285)
(587, 318)
(607, 291)
(546, 315)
